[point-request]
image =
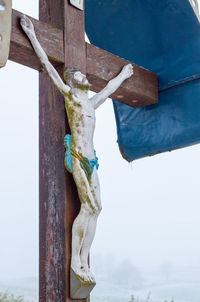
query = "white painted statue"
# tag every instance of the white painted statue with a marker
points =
(80, 158)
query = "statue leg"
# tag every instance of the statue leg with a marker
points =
(81, 222)
(91, 228)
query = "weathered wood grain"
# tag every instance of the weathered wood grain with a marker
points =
(101, 66)
(74, 38)
(52, 177)
(52, 193)
(51, 39)
(139, 90)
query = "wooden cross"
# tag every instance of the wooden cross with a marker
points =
(61, 33)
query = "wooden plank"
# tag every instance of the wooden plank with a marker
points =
(52, 176)
(139, 90)
(51, 39)
(52, 193)
(74, 38)
(101, 66)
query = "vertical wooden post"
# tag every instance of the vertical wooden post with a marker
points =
(52, 180)
(59, 203)
(74, 38)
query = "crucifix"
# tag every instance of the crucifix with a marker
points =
(80, 156)
(62, 38)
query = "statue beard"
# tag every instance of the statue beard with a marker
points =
(82, 86)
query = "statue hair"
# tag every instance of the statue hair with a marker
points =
(68, 73)
(69, 79)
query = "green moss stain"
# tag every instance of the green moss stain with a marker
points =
(83, 87)
(83, 281)
(71, 109)
(80, 234)
(69, 96)
(77, 105)
(74, 117)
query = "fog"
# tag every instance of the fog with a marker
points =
(147, 238)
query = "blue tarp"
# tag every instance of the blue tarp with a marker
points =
(164, 37)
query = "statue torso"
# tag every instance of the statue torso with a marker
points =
(81, 117)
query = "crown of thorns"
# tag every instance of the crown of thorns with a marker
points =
(68, 72)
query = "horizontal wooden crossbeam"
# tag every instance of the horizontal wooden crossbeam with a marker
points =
(140, 90)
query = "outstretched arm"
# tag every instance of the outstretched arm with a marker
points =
(28, 28)
(100, 97)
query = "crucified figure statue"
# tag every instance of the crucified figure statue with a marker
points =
(80, 157)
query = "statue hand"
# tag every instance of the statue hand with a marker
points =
(27, 25)
(127, 71)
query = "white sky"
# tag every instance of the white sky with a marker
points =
(150, 208)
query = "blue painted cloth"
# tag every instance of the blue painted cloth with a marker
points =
(164, 37)
(68, 157)
(86, 164)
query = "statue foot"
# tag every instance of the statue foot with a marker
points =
(80, 272)
(91, 276)
(80, 286)
(88, 272)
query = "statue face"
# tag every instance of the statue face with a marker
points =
(80, 78)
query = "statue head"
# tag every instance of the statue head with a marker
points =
(75, 79)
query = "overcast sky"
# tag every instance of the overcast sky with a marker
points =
(150, 207)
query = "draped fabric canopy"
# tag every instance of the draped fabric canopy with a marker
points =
(164, 37)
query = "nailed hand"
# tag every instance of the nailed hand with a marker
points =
(128, 71)
(26, 24)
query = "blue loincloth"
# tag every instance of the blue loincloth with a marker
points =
(86, 164)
